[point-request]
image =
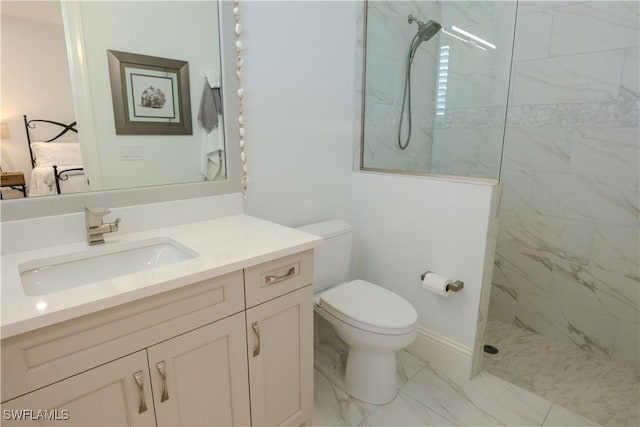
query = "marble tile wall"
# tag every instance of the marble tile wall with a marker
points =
(468, 137)
(567, 253)
(475, 95)
(487, 274)
(388, 39)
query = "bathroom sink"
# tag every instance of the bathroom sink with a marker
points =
(46, 275)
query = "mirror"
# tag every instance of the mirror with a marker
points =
(55, 67)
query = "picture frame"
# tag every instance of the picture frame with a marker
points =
(150, 94)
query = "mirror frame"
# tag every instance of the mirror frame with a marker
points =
(26, 208)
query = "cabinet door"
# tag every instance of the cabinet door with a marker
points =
(200, 378)
(108, 395)
(280, 339)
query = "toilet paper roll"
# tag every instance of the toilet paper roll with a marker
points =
(437, 284)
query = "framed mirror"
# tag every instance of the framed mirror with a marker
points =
(71, 83)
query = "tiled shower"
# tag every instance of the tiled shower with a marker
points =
(553, 112)
(567, 254)
(459, 87)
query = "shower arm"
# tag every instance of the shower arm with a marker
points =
(413, 19)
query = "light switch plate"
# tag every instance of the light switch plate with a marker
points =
(131, 152)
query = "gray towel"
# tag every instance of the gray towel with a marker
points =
(210, 107)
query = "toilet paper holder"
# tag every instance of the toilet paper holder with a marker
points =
(456, 286)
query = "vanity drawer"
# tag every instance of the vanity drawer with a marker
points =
(274, 278)
(53, 353)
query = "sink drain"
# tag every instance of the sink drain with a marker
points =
(489, 349)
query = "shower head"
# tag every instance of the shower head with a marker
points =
(425, 32)
(428, 30)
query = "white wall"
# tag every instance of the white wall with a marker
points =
(404, 226)
(299, 85)
(184, 31)
(35, 82)
(299, 88)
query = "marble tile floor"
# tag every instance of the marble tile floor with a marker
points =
(598, 389)
(427, 398)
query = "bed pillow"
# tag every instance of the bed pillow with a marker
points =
(56, 153)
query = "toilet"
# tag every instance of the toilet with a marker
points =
(370, 322)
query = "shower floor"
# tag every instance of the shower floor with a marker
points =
(598, 389)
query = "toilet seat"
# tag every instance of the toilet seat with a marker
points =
(369, 307)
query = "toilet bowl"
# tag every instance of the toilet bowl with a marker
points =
(372, 321)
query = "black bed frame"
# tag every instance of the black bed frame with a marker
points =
(60, 175)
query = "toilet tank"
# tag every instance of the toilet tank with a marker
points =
(332, 259)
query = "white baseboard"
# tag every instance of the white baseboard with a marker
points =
(443, 354)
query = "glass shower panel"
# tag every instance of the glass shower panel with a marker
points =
(455, 104)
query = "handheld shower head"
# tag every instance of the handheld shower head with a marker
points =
(428, 30)
(425, 32)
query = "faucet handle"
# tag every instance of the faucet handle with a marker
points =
(96, 226)
(99, 212)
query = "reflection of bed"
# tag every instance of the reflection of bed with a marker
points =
(57, 166)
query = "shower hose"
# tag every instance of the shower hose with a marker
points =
(406, 97)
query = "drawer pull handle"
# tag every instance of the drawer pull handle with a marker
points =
(271, 279)
(162, 370)
(256, 330)
(143, 404)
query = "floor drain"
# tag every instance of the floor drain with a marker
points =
(489, 349)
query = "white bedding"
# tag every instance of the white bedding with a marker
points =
(43, 182)
(56, 153)
(65, 155)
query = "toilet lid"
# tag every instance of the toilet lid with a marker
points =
(370, 307)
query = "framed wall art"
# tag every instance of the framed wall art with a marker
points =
(150, 94)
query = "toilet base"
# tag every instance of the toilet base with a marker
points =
(331, 363)
(371, 376)
(375, 373)
(368, 372)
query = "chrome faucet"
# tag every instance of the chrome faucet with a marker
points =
(95, 225)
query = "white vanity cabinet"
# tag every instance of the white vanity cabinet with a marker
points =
(281, 359)
(280, 340)
(189, 356)
(107, 395)
(197, 379)
(200, 378)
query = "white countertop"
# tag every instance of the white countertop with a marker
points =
(224, 245)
